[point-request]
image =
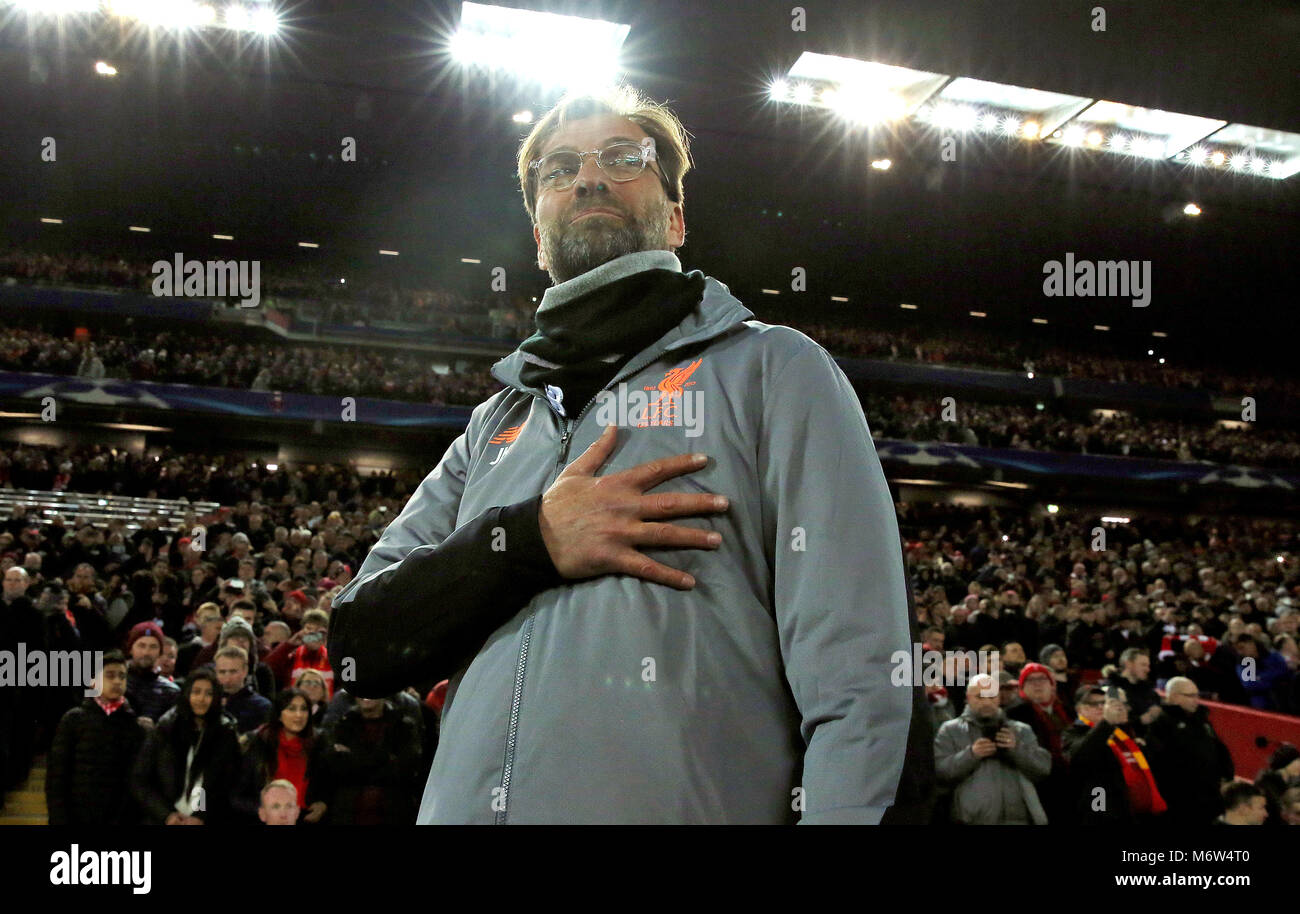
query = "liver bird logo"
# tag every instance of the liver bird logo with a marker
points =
(508, 436)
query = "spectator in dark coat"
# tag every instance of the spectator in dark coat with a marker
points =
(185, 770)
(371, 763)
(20, 624)
(1264, 674)
(1111, 781)
(1053, 657)
(249, 709)
(1134, 678)
(150, 695)
(1086, 642)
(1190, 762)
(89, 772)
(1046, 716)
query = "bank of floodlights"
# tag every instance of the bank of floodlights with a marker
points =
(868, 92)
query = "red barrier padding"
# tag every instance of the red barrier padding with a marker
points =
(1243, 730)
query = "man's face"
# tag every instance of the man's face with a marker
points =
(279, 807)
(1039, 689)
(274, 634)
(83, 579)
(145, 652)
(1185, 697)
(231, 674)
(645, 219)
(1194, 650)
(15, 583)
(1139, 667)
(1256, 813)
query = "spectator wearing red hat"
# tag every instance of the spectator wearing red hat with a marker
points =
(1045, 714)
(150, 694)
(295, 604)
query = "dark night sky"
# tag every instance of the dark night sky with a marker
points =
(771, 190)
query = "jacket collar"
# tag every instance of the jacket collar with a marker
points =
(717, 313)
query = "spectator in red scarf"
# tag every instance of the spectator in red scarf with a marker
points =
(1044, 712)
(304, 651)
(283, 747)
(1111, 781)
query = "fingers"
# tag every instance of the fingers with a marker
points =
(680, 504)
(674, 535)
(594, 456)
(638, 565)
(650, 474)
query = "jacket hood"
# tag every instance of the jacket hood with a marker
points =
(717, 312)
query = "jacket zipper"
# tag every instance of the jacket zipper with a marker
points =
(512, 734)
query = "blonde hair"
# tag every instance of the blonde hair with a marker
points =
(672, 143)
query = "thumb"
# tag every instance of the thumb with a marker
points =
(594, 456)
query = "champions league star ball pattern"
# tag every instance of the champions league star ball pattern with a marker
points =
(98, 392)
(925, 455)
(1244, 478)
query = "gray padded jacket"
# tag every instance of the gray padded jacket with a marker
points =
(764, 694)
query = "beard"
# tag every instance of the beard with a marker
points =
(573, 248)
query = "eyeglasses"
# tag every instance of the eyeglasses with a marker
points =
(620, 162)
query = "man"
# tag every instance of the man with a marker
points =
(991, 761)
(279, 804)
(150, 694)
(1290, 806)
(1133, 677)
(1189, 761)
(304, 651)
(1046, 715)
(1053, 657)
(1086, 642)
(1263, 673)
(275, 633)
(238, 697)
(20, 624)
(1112, 781)
(1243, 804)
(208, 619)
(637, 670)
(88, 780)
(371, 766)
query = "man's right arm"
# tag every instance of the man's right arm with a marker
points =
(429, 594)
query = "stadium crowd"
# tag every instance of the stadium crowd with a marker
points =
(214, 361)
(307, 291)
(914, 418)
(224, 706)
(343, 371)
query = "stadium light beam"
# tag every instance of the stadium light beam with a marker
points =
(538, 46)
